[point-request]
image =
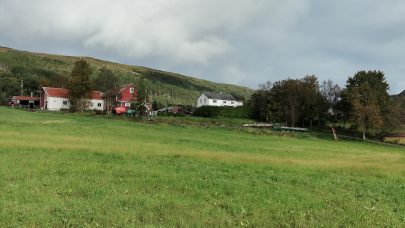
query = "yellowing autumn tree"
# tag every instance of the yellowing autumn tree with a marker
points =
(368, 96)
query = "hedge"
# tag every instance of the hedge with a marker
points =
(227, 112)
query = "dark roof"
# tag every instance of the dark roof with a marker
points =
(402, 94)
(219, 96)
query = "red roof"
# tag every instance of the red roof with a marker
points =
(96, 95)
(25, 98)
(126, 86)
(64, 93)
(56, 92)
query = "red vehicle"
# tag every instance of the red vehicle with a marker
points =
(119, 110)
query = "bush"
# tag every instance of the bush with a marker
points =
(179, 114)
(98, 112)
(227, 112)
(65, 110)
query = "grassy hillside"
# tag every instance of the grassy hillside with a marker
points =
(163, 86)
(71, 170)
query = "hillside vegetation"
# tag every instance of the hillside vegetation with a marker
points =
(165, 87)
(70, 170)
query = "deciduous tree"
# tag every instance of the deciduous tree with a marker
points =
(331, 93)
(108, 83)
(368, 96)
(9, 86)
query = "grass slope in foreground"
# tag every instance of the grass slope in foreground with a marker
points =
(62, 170)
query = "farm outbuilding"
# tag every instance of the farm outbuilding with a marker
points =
(25, 101)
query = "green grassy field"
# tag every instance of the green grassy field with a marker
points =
(71, 170)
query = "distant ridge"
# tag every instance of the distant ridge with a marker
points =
(164, 87)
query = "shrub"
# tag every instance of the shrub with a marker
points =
(98, 112)
(227, 112)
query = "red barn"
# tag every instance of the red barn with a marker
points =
(126, 95)
(25, 101)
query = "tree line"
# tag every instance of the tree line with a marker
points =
(364, 102)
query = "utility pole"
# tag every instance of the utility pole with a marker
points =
(22, 87)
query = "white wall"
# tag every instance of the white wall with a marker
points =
(56, 103)
(93, 105)
(221, 103)
(204, 101)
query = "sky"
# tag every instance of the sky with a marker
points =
(244, 42)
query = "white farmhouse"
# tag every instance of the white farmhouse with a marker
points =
(55, 99)
(217, 99)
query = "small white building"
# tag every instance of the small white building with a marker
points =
(55, 99)
(218, 99)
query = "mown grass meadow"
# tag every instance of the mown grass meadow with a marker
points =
(73, 170)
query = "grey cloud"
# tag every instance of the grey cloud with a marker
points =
(233, 41)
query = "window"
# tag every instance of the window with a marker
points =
(215, 101)
(224, 102)
(232, 102)
(127, 105)
(64, 102)
(132, 90)
(200, 101)
(98, 104)
(205, 100)
(91, 104)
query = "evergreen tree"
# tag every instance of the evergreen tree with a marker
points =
(106, 80)
(155, 105)
(140, 104)
(80, 85)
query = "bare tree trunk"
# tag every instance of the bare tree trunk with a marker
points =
(334, 133)
(364, 135)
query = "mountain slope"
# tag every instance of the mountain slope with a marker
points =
(165, 87)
